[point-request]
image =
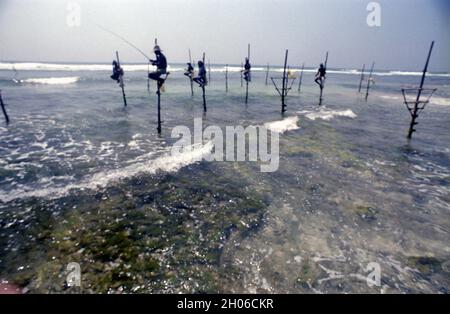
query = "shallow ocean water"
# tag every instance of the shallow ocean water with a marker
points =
(83, 179)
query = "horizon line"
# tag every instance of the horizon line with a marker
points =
(212, 64)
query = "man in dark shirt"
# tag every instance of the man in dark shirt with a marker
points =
(117, 72)
(320, 75)
(189, 70)
(161, 66)
(201, 78)
(247, 68)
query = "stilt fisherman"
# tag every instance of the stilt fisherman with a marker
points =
(161, 66)
(320, 75)
(247, 68)
(117, 72)
(201, 78)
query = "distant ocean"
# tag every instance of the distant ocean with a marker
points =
(67, 67)
(84, 179)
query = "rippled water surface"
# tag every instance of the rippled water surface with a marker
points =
(83, 179)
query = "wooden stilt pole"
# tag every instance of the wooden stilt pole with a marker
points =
(122, 84)
(267, 73)
(3, 108)
(242, 78)
(191, 78)
(369, 79)
(301, 78)
(209, 71)
(246, 92)
(362, 78)
(320, 97)
(204, 99)
(284, 87)
(203, 89)
(424, 73)
(414, 113)
(248, 76)
(158, 92)
(226, 78)
(159, 108)
(148, 78)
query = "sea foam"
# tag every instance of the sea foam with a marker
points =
(284, 125)
(326, 114)
(440, 101)
(52, 80)
(434, 100)
(164, 163)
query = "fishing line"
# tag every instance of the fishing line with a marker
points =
(148, 76)
(122, 38)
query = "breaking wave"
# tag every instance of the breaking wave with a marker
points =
(435, 100)
(42, 66)
(326, 114)
(284, 125)
(440, 101)
(52, 80)
(32, 66)
(165, 163)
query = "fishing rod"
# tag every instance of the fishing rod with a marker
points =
(122, 85)
(248, 74)
(122, 38)
(191, 74)
(148, 76)
(132, 45)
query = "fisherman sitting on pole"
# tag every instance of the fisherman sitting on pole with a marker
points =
(161, 66)
(201, 78)
(246, 71)
(189, 70)
(117, 72)
(320, 75)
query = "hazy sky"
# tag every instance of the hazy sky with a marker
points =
(36, 30)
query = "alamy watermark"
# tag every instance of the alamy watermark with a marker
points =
(73, 277)
(231, 146)
(374, 276)
(374, 17)
(73, 18)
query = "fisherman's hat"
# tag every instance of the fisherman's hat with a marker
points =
(156, 48)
